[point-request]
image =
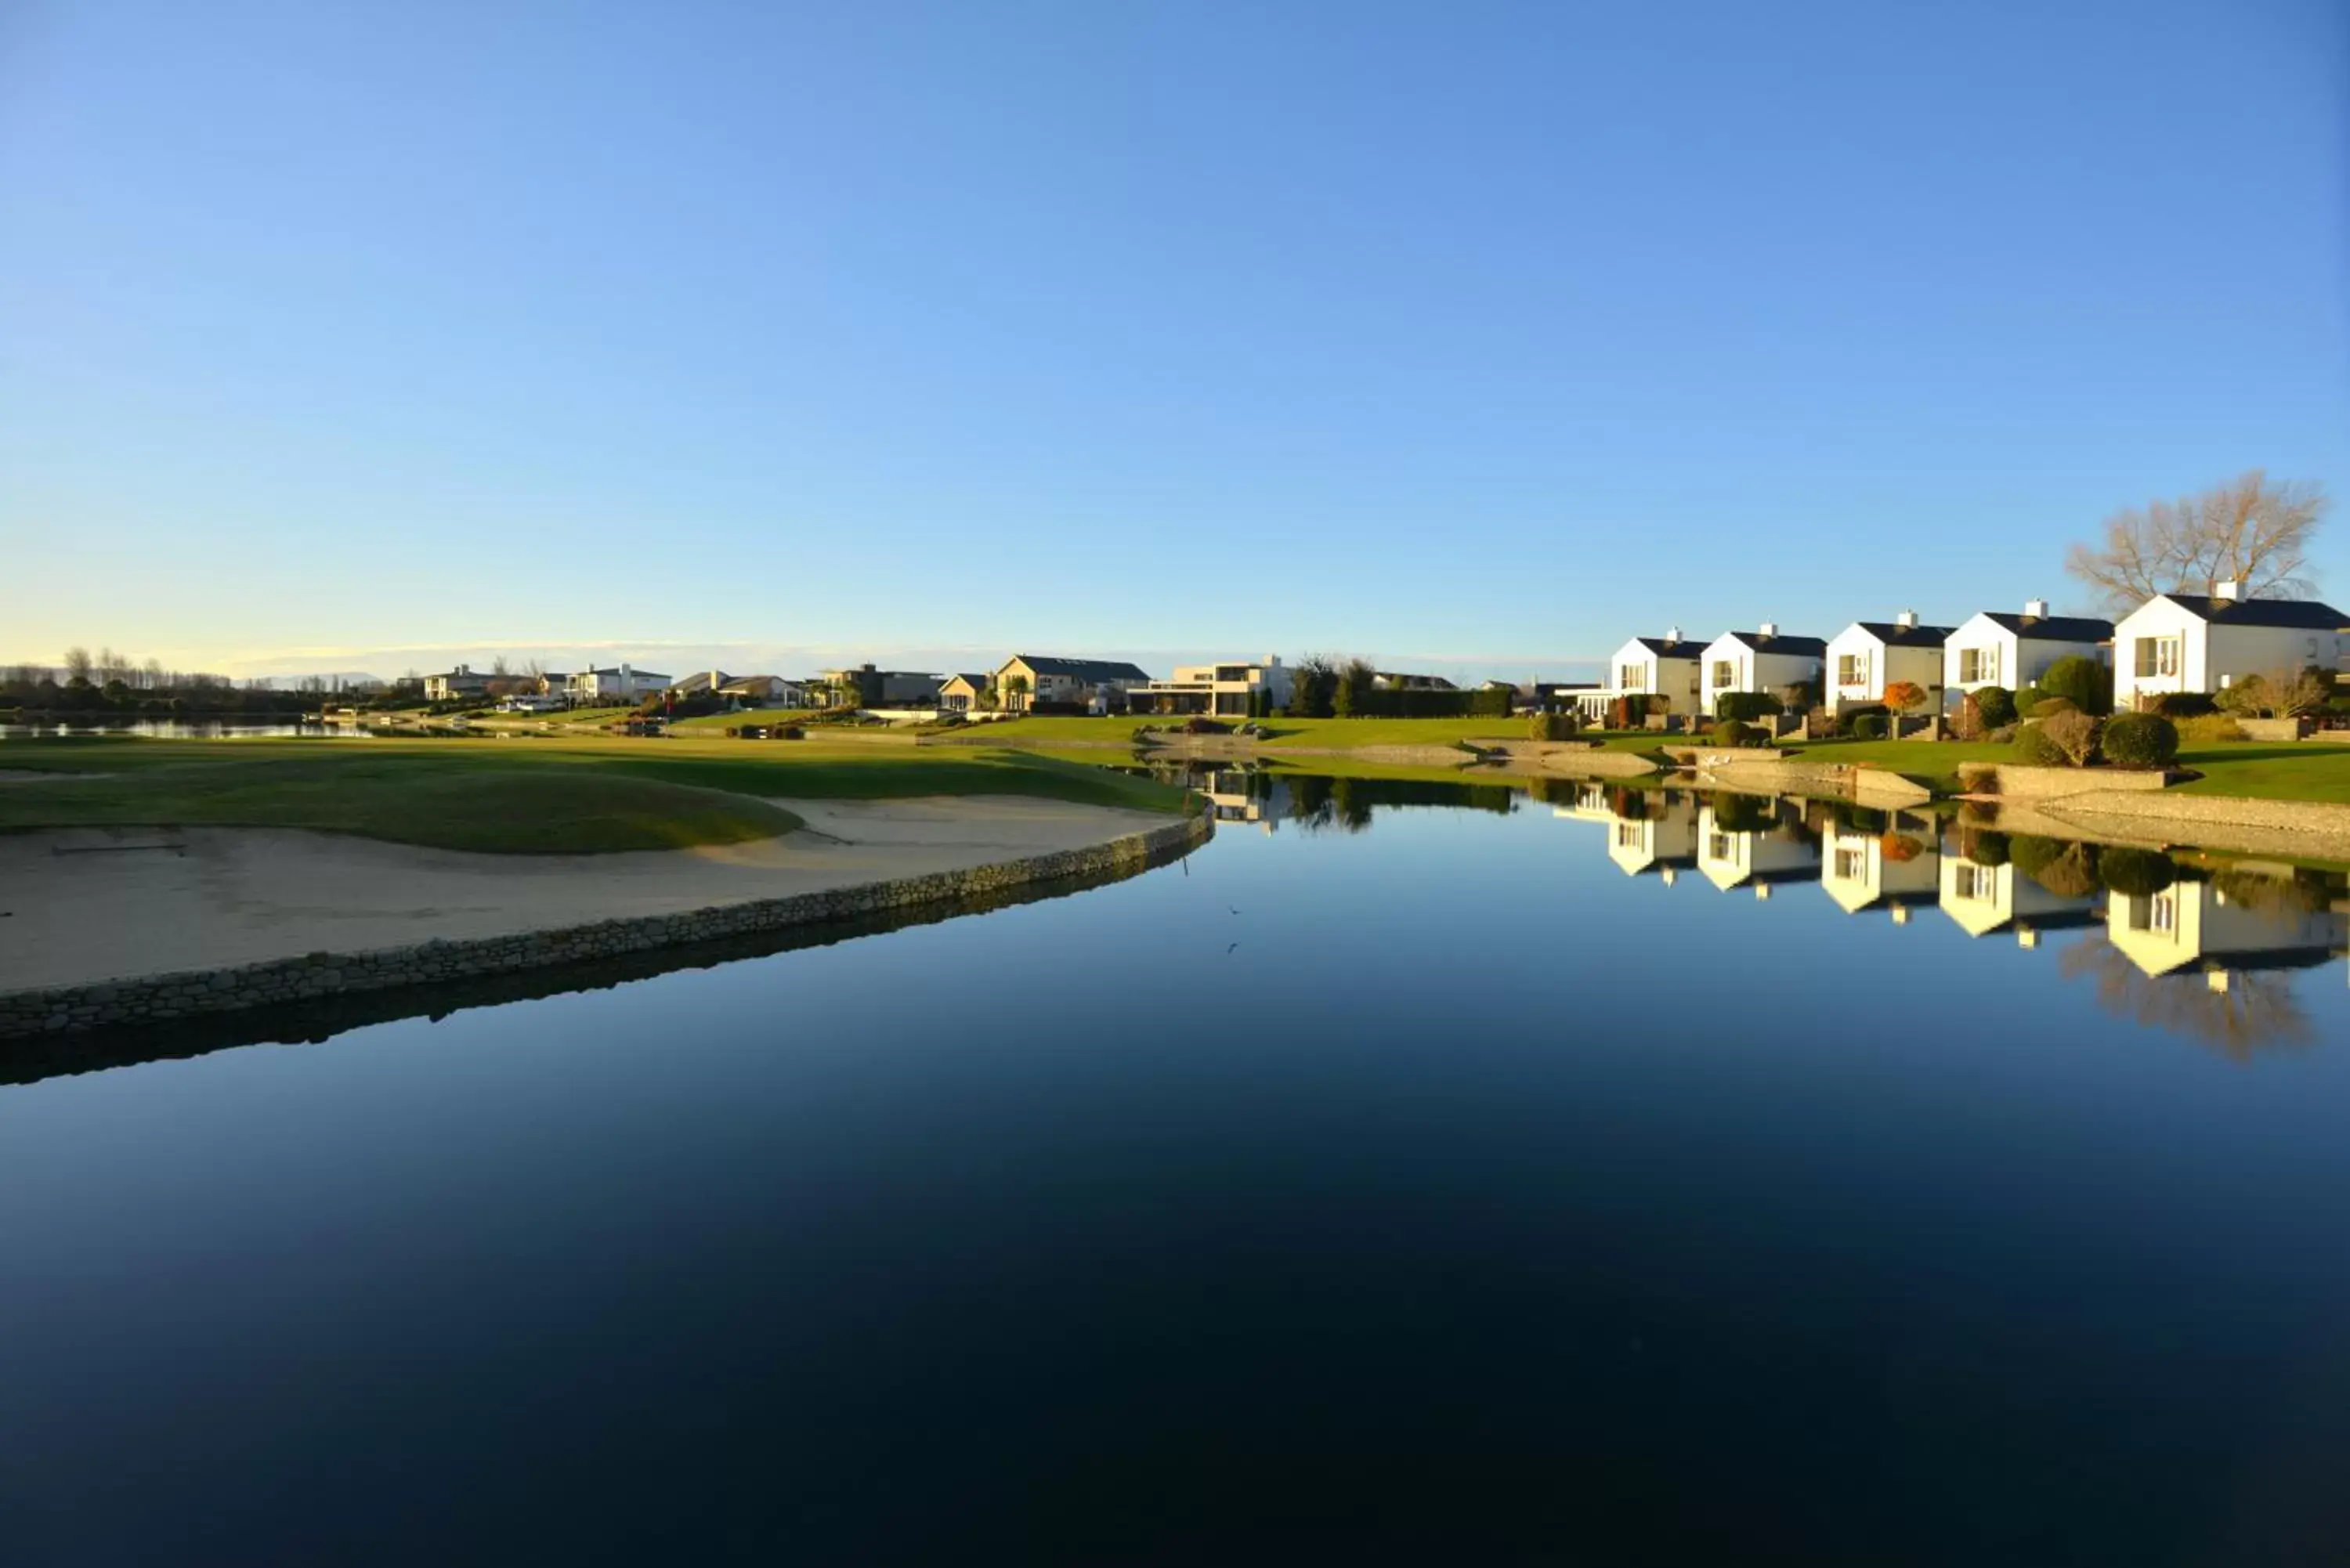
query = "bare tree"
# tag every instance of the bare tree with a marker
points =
(151, 678)
(78, 664)
(2248, 531)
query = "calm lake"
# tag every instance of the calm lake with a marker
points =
(1417, 1169)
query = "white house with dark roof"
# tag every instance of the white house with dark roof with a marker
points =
(2196, 642)
(1867, 655)
(965, 691)
(1993, 649)
(621, 683)
(1667, 667)
(1764, 660)
(1026, 678)
(2196, 924)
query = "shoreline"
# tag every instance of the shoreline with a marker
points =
(694, 907)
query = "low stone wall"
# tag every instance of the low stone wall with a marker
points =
(2273, 729)
(1741, 770)
(2298, 829)
(66, 1009)
(2012, 782)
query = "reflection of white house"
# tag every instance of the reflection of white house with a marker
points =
(1761, 661)
(1985, 898)
(2187, 642)
(1664, 842)
(1733, 858)
(1235, 794)
(2197, 923)
(1860, 870)
(1666, 667)
(2015, 650)
(1867, 655)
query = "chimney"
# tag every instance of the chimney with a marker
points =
(1907, 618)
(1768, 628)
(2226, 589)
(2035, 610)
(1672, 634)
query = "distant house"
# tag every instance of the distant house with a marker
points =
(764, 691)
(1222, 691)
(2194, 642)
(1867, 655)
(461, 683)
(1099, 685)
(965, 693)
(1396, 680)
(863, 686)
(699, 681)
(1764, 660)
(1668, 666)
(620, 683)
(1993, 649)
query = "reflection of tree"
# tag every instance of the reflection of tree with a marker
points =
(1631, 805)
(2307, 891)
(1983, 845)
(2257, 1012)
(1898, 847)
(1735, 813)
(2067, 870)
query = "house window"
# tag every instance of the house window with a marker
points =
(1851, 865)
(2158, 656)
(1978, 883)
(1717, 847)
(1632, 677)
(1725, 674)
(1852, 670)
(2158, 913)
(1978, 666)
(1628, 835)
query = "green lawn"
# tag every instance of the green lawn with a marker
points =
(2302, 772)
(1339, 734)
(568, 794)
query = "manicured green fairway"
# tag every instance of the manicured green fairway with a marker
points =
(566, 794)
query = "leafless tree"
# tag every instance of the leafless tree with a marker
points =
(78, 664)
(2250, 531)
(2258, 1011)
(152, 676)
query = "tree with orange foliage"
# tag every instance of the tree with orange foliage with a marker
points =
(1901, 696)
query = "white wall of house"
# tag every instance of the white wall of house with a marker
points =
(1860, 666)
(2160, 647)
(1984, 653)
(1856, 871)
(1636, 669)
(1729, 859)
(1731, 665)
(2194, 923)
(1635, 844)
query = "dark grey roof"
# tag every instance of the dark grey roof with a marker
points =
(977, 681)
(2053, 628)
(1801, 647)
(1895, 634)
(1684, 648)
(2308, 613)
(1081, 668)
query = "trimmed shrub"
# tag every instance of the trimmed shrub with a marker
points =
(1997, 703)
(1869, 726)
(2074, 734)
(1552, 727)
(1743, 705)
(1967, 724)
(1851, 714)
(1735, 813)
(2049, 707)
(2083, 681)
(1730, 732)
(2033, 749)
(2139, 872)
(2183, 704)
(2140, 741)
(2210, 729)
(1984, 847)
(2003, 735)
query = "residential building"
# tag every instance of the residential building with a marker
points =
(699, 681)
(1669, 666)
(620, 683)
(966, 693)
(2198, 924)
(1898, 869)
(766, 691)
(1984, 898)
(1867, 655)
(1101, 685)
(2196, 642)
(1766, 659)
(2013, 651)
(461, 683)
(531, 702)
(1396, 681)
(1223, 691)
(863, 686)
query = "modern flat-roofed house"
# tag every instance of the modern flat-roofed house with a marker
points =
(2197, 923)
(461, 683)
(863, 686)
(1867, 655)
(1993, 649)
(966, 692)
(1764, 660)
(1222, 691)
(1670, 667)
(621, 683)
(1398, 681)
(1025, 679)
(2196, 642)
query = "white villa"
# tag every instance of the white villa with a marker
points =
(1983, 899)
(2197, 923)
(1861, 870)
(1764, 660)
(1995, 648)
(2191, 642)
(1667, 667)
(1220, 690)
(622, 683)
(1867, 655)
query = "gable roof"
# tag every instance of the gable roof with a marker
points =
(2052, 627)
(976, 682)
(1079, 669)
(2299, 613)
(1801, 647)
(1892, 634)
(1662, 648)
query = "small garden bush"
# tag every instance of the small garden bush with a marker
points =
(1205, 726)
(1552, 727)
(2210, 729)
(2084, 682)
(2003, 735)
(1868, 727)
(2049, 707)
(1849, 716)
(2074, 734)
(1998, 705)
(2177, 705)
(1984, 847)
(1743, 705)
(2033, 749)
(2139, 872)
(1730, 732)
(2139, 741)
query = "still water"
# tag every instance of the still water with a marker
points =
(1415, 1170)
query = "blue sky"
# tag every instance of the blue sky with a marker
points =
(359, 335)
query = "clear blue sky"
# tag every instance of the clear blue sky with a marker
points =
(350, 334)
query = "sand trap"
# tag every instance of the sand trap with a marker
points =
(79, 905)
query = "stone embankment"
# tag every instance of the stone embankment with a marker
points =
(1743, 770)
(150, 998)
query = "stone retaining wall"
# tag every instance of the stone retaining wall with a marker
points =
(2300, 829)
(1747, 770)
(2009, 781)
(66, 1009)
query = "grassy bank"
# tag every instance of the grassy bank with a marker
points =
(554, 795)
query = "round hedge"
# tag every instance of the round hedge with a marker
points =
(1868, 727)
(1731, 733)
(2140, 741)
(2141, 873)
(2049, 707)
(2036, 750)
(1996, 704)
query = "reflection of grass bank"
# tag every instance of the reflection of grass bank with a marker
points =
(547, 796)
